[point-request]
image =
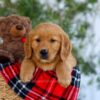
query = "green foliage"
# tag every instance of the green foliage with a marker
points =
(98, 82)
(65, 17)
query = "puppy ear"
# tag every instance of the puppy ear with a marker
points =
(66, 46)
(27, 47)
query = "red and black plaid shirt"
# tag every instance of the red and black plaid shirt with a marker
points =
(43, 86)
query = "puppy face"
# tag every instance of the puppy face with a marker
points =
(46, 43)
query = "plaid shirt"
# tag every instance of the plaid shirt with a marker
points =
(43, 86)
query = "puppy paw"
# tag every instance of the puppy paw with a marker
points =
(26, 77)
(65, 82)
(27, 70)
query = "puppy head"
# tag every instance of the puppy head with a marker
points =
(46, 42)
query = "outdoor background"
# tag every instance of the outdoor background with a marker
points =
(81, 20)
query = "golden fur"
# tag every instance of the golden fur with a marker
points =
(51, 37)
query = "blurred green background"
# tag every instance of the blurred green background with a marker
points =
(75, 17)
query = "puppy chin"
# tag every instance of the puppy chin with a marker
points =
(44, 61)
(48, 60)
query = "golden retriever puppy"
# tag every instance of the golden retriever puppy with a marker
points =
(48, 47)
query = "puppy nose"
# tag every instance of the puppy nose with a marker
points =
(19, 27)
(44, 54)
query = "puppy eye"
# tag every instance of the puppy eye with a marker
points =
(52, 40)
(38, 40)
